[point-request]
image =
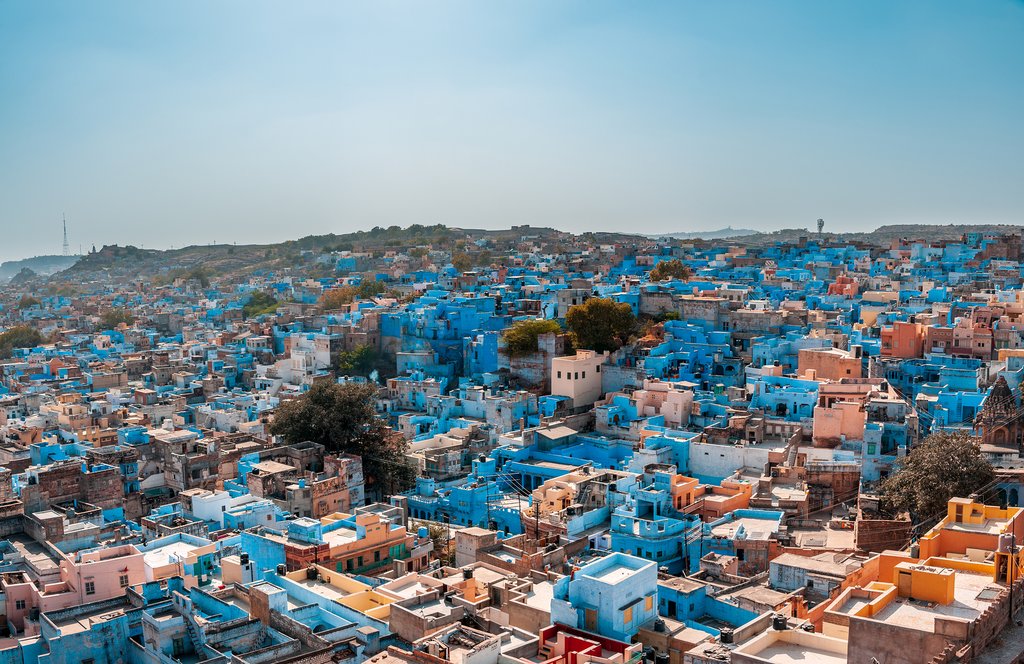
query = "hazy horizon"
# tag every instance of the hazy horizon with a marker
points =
(164, 125)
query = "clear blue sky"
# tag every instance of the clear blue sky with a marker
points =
(171, 123)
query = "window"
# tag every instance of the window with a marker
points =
(19, 604)
(90, 588)
(584, 374)
(559, 374)
(376, 556)
(649, 603)
(123, 579)
(627, 614)
(599, 368)
(576, 376)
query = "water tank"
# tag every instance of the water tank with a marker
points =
(808, 627)
(244, 558)
(423, 532)
(661, 658)
(311, 573)
(282, 570)
(1005, 543)
(659, 625)
(726, 635)
(779, 622)
(467, 574)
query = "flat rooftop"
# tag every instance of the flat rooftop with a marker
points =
(968, 603)
(613, 573)
(781, 652)
(325, 590)
(84, 623)
(168, 554)
(986, 527)
(757, 529)
(540, 596)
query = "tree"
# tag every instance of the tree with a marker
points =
(21, 336)
(370, 288)
(600, 324)
(945, 465)
(336, 298)
(359, 361)
(461, 261)
(27, 302)
(260, 303)
(342, 418)
(111, 318)
(521, 337)
(442, 544)
(673, 269)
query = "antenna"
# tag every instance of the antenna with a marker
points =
(67, 251)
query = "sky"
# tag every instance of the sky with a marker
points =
(164, 124)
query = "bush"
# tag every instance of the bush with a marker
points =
(260, 303)
(21, 336)
(673, 269)
(600, 324)
(521, 337)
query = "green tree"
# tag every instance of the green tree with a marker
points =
(672, 269)
(21, 336)
(27, 302)
(944, 465)
(443, 550)
(259, 303)
(521, 337)
(360, 361)
(461, 261)
(370, 288)
(343, 419)
(600, 324)
(111, 318)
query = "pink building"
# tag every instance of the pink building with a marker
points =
(85, 576)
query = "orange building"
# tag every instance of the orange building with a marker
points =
(830, 363)
(953, 597)
(710, 501)
(903, 339)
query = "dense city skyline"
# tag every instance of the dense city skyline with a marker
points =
(257, 123)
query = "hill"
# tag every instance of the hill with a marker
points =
(43, 265)
(720, 234)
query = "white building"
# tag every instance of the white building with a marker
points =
(578, 377)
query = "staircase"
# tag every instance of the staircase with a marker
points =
(194, 632)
